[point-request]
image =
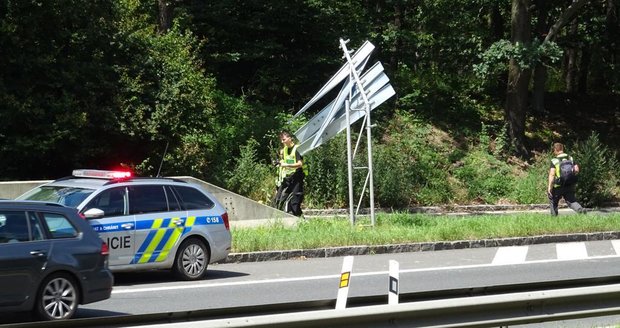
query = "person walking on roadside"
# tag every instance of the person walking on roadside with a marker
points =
(290, 180)
(561, 182)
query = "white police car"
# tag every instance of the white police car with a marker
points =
(148, 223)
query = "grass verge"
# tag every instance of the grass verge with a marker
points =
(407, 228)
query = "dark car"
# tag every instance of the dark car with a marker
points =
(51, 260)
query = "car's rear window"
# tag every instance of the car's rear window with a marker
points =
(194, 199)
(60, 226)
(68, 196)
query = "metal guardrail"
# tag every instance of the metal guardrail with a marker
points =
(496, 310)
(479, 311)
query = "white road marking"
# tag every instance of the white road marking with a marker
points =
(208, 284)
(616, 245)
(571, 251)
(510, 255)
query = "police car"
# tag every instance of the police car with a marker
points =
(148, 223)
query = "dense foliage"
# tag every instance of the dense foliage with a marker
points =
(200, 88)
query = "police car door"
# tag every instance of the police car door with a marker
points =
(159, 223)
(116, 227)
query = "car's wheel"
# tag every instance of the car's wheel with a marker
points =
(58, 297)
(191, 260)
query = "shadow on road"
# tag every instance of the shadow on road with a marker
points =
(161, 276)
(94, 313)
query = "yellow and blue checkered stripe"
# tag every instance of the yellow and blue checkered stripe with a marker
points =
(164, 234)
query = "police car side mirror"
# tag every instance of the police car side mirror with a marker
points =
(93, 213)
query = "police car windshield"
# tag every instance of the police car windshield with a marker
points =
(68, 196)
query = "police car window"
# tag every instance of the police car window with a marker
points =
(68, 196)
(110, 201)
(59, 226)
(173, 201)
(147, 199)
(193, 199)
(15, 228)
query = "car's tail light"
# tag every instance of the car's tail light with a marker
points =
(225, 218)
(105, 250)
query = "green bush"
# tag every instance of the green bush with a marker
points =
(487, 178)
(531, 186)
(412, 164)
(392, 177)
(327, 182)
(598, 174)
(418, 164)
(250, 177)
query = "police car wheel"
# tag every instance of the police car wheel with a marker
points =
(191, 260)
(57, 298)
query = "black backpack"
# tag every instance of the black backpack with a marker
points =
(567, 173)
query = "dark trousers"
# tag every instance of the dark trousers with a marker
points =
(290, 194)
(568, 193)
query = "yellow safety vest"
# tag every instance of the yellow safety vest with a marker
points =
(288, 158)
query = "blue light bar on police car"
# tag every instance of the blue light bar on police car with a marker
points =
(102, 174)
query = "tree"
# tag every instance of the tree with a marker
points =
(519, 74)
(56, 85)
(518, 78)
(166, 9)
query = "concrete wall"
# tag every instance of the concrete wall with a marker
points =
(242, 211)
(12, 189)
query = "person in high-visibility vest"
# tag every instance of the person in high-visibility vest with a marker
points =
(561, 181)
(290, 180)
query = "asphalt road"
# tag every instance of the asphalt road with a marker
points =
(473, 271)
(470, 270)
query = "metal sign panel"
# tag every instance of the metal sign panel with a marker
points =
(360, 58)
(338, 125)
(315, 124)
(331, 120)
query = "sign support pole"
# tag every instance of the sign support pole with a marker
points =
(369, 177)
(349, 162)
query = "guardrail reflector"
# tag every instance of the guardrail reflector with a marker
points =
(393, 283)
(345, 281)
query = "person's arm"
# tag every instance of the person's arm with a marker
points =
(576, 168)
(295, 165)
(550, 180)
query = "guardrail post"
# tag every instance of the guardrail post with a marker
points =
(345, 280)
(393, 283)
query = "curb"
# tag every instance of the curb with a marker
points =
(415, 247)
(455, 209)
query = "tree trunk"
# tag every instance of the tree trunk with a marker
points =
(613, 31)
(496, 22)
(570, 67)
(496, 27)
(518, 79)
(539, 88)
(397, 44)
(540, 71)
(165, 15)
(565, 18)
(584, 70)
